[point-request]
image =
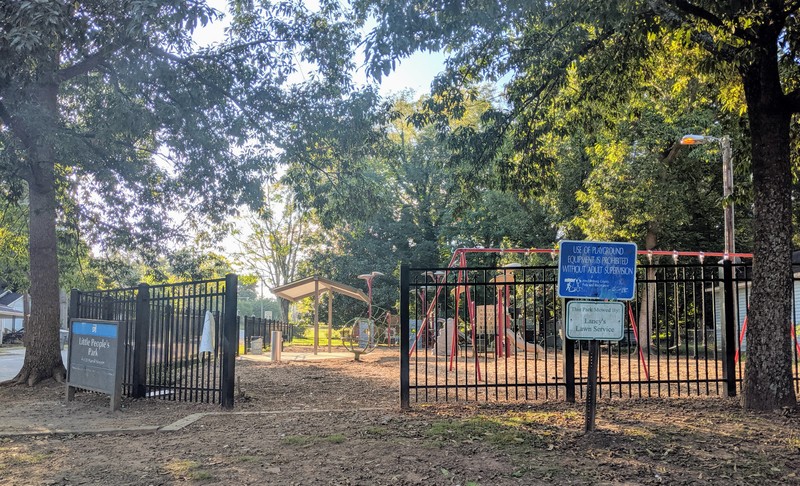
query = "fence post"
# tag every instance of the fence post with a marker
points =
(230, 340)
(568, 357)
(404, 337)
(729, 334)
(74, 303)
(107, 308)
(141, 335)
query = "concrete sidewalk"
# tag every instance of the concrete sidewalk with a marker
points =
(11, 360)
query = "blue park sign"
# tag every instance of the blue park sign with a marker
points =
(597, 270)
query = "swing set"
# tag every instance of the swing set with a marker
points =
(496, 314)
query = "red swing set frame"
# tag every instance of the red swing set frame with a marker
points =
(502, 344)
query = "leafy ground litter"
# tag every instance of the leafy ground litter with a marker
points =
(338, 422)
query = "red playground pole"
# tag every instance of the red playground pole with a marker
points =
(741, 338)
(471, 312)
(638, 342)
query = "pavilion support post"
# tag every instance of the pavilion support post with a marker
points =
(330, 319)
(316, 314)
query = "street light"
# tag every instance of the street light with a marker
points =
(727, 183)
(368, 277)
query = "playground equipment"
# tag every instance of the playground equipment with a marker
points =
(522, 345)
(493, 320)
(361, 337)
(313, 287)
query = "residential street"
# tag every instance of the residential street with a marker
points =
(11, 361)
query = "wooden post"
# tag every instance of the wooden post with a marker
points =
(316, 314)
(330, 319)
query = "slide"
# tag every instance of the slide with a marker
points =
(523, 345)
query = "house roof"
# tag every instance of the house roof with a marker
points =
(9, 298)
(6, 311)
(305, 287)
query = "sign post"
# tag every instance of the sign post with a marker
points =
(96, 358)
(595, 270)
(594, 321)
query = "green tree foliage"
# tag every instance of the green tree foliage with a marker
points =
(114, 101)
(13, 243)
(423, 204)
(750, 48)
(274, 241)
(250, 301)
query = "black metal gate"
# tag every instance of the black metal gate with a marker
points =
(164, 328)
(489, 334)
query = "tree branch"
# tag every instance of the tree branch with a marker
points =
(701, 13)
(88, 63)
(793, 100)
(12, 123)
(211, 54)
(706, 41)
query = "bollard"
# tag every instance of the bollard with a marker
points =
(275, 349)
(256, 345)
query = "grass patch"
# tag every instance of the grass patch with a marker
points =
(378, 431)
(511, 429)
(336, 438)
(483, 429)
(297, 440)
(187, 469)
(536, 417)
(13, 457)
(307, 440)
(638, 432)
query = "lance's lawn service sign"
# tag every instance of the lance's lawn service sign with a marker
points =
(591, 319)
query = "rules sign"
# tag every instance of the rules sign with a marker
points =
(597, 270)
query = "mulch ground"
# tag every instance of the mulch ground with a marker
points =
(338, 422)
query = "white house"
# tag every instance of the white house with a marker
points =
(11, 310)
(742, 291)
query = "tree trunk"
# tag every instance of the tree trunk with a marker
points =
(768, 380)
(42, 350)
(285, 309)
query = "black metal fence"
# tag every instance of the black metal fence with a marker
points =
(165, 324)
(490, 334)
(256, 327)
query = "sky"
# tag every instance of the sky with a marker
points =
(414, 73)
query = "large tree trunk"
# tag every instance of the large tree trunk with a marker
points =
(42, 350)
(768, 374)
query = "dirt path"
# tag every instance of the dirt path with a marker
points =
(337, 422)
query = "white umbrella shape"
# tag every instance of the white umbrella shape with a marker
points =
(207, 338)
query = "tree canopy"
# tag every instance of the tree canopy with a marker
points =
(112, 120)
(115, 103)
(748, 50)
